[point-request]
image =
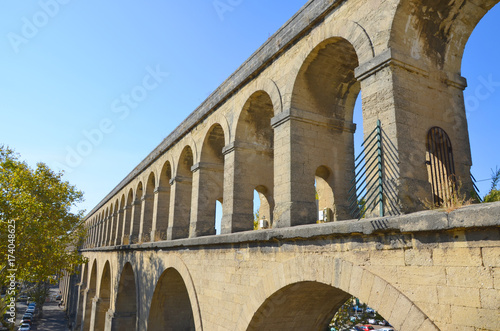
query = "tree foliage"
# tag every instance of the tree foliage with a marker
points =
(35, 214)
(494, 194)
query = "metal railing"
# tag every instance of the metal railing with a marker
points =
(372, 191)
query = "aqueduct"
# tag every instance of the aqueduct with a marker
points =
(282, 125)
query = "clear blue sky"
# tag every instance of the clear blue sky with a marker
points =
(66, 78)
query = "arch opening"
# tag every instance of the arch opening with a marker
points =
(147, 209)
(135, 223)
(103, 300)
(91, 292)
(263, 207)
(125, 316)
(119, 221)
(481, 97)
(162, 194)
(181, 201)
(253, 160)
(324, 195)
(312, 305)
(171, 306)
(81, 297)
(209, 178)
(324, 97)
(299, 306)
(127, 218)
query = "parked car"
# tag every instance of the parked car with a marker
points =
(28, 315)
(26, 320)
(386, 328)
(365, 327)
(25, 327)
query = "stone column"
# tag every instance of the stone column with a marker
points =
(304, 142)
(127, 217)
(160, 213)
(80, 307)
(112, 229)
(87, 309)
(240, 180)
(105, 231)
(100, 307)
(100, 233)
(119, 228)
(147, 202)
(135, 221)
(409, 99)
(122, 321)
(207, 188)
(180, 208)
(95, 236)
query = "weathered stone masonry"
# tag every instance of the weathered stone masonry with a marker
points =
(280, 123)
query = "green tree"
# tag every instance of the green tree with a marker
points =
(39, 232)
(494, 194)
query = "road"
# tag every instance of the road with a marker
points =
(53, 319)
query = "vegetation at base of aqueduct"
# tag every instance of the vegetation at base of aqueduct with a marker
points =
(39, 233)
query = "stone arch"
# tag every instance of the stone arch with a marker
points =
(180, 203)
(120, 220)
(162, 202)
(266, 205)
(183, 288)
(208, 179)
(115, 220)
(100, 228)
(251, 157)
(324, 192)
(125, 315)
(326, 83)
(81, 296)
(297, 277)
(165, 174)
(139, 190)
(436, 32)
(321, 119)
(135, 224)
(103, 299)
(107, 226)
(147, 209)
(340, 29)
(127, 217)
(267, 86)
(91, 292)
